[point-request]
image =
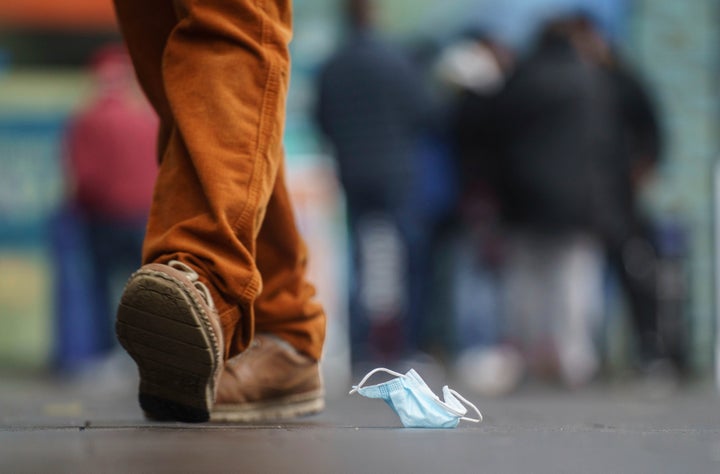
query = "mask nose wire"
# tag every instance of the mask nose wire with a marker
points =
(471, 405)
(357, 387)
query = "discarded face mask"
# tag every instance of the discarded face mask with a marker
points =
(415, 403)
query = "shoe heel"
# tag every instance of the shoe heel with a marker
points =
(159, 325)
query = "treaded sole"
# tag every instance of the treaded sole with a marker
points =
(285, 408)
(161, 326)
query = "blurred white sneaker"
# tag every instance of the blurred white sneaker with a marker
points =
(578, 363)
(490, 371)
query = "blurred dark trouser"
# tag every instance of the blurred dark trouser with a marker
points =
(634, 261)
(475, 296)
(93, 259)
(116, 248)
(650, 268)
(386, 283)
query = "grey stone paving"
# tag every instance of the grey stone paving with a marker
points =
(55, 426)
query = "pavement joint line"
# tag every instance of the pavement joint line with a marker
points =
(88, 426)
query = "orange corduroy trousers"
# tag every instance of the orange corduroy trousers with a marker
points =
(217, 72)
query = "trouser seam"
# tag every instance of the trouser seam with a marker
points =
(247, 217)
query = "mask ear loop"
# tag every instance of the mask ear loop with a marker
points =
(471, 405)
(357, 387)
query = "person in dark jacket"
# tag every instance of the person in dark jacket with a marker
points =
(548, 137)
(632, 245)
(372, 107)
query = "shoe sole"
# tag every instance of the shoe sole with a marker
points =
(165, 329)
(284, 408)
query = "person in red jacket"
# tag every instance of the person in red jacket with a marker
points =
(109, 149)
(110, 145)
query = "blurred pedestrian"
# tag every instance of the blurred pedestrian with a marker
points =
(109, 150)
(372, 108)
(220, 319)
(631, 236)
(551, 123)
(476, 68)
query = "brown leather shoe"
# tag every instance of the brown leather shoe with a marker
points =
(169, 325)
(269, 381)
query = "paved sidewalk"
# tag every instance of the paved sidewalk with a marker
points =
(58, 427)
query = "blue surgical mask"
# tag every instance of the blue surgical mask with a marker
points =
(416, 405)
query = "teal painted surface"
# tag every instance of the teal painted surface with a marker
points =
(676, 45)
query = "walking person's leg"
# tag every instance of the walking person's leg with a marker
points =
(278, 376)
(286, 307)
(219, 83)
